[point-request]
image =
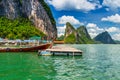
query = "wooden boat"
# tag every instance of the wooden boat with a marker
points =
(58, 42)
(29, 49)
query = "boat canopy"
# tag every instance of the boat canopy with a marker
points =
(35, 38)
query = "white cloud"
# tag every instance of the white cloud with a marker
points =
(93, 29)
(115, 32)
(114, 18)
(107, 9)
(113, 29)
(93, 34)
(64, 19)
(113, 4)
(61, 30)
(116, 36)
(80, 5)
(91, 25)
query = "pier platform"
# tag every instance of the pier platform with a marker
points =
(62, 50)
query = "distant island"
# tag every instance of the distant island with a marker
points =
(105, 38)
(81, 36)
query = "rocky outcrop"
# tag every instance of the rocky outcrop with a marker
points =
(2, 10)
(69, 29)
(79, 36)
(70, 34)
(33, 10)
(10, 8)
(83, 36)
(104, 38)
(37, 14)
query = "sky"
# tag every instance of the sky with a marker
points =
(96, 15)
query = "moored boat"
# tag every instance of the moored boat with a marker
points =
(29, 49)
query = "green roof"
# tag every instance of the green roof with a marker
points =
(35, 38)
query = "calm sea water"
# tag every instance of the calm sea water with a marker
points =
(99, 62)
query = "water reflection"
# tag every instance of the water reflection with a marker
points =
(99, 62)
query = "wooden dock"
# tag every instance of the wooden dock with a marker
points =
(63, 50)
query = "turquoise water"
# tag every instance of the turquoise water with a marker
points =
(99, 62)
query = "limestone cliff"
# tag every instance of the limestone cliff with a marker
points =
(80, 35)
(104, 38)
(83, 36)
(34, 10)
(69, 29)
(10, 8)
(70, 34)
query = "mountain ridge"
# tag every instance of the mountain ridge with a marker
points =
(79, 35)
(105, 38)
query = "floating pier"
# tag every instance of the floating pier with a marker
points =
(62, 50)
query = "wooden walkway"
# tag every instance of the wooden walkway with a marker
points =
(64, 50)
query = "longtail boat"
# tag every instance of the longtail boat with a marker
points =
(29, 49)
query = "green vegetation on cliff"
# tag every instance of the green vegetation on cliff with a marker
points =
(47, 9)
(79, 36)
(83, 36)
(61, 38)
(68, 25)
(70, 34)
(70, 39)
(20, 1)
(20, 28)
